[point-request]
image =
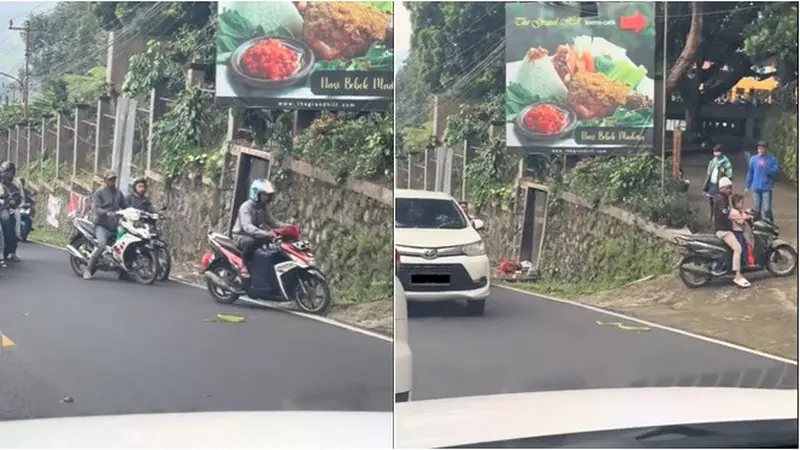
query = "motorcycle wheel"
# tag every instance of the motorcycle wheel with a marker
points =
(784, 251)
(309, 282)
(146, 270)
(79, 266)
(164, 263)
(691, 279)
(219, 294)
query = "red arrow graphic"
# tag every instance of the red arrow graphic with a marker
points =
(636, 23)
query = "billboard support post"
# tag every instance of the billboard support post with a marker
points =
(664, 105)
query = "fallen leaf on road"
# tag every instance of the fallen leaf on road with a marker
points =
(230, 318)
(623, 326)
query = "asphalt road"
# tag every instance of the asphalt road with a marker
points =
(115, 347)
(524, 344)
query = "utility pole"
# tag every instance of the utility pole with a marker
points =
(26, 77)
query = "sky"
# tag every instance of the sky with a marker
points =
(402, 34)
(12, 55)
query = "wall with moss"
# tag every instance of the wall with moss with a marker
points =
(351, 233)
(582, 244)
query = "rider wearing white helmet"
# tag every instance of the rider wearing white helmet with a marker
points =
(253, 221)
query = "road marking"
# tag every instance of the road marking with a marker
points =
(652, 324)
(5, 341)
(322, 319)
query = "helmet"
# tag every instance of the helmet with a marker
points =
(725, 182)
(258, 186)
(138, 180)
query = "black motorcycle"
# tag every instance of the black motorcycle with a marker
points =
(162, 250)
(705, 256)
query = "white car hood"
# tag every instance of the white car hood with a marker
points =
(434, 238)
(470, 420)
(284, 429)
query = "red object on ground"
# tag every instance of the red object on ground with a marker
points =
(508, 266)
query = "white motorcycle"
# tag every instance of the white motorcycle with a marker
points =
(131, 252)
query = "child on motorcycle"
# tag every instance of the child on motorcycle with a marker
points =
(739, 219)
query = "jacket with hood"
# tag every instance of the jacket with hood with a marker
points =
(723, 166)
(252, 218)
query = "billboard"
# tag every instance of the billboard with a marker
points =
(580, 85)
(305, 55)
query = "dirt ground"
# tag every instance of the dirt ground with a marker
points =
(763, 317)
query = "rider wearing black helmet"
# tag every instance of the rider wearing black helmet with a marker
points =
(12, 192)
(138, 198)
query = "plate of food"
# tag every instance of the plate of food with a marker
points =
(545, 121)
(590, 80)
(272, 62)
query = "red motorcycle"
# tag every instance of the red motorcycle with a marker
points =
(283, 270)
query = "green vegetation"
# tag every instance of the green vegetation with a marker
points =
(781, 132)
(633, 183)
(48, 237)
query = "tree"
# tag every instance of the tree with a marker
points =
(705, 46)
(773, 37)
(449, 39)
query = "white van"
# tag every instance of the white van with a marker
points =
(442, 255)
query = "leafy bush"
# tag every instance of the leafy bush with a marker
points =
(361, 148)
(782, 140)
(633, 183)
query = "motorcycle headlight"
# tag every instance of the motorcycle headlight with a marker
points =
(474, 249)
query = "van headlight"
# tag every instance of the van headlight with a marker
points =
(474, 249)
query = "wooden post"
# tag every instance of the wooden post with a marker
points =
(102, 148)
(81, 150)
(677, 140)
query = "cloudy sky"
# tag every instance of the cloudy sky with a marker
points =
(12, 55)
(402, 34)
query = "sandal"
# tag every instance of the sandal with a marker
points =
(742, 283)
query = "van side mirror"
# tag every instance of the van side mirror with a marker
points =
(478, 224)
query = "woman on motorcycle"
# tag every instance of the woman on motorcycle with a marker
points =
(719, 167)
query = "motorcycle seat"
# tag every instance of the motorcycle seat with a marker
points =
(708, 239)
(228, 243)
(85, 225)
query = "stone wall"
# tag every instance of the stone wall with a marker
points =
(351, 232)
(583, 243)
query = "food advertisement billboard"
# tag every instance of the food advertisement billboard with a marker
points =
(305, 55)
(578, 82)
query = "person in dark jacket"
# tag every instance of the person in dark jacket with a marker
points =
(723, 228)
(138, 198)
(250, 229)
(12, 198)
(107, 200)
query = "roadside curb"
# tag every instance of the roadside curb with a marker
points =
(268, 305)
(651, 324)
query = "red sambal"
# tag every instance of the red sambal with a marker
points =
(270, 59)
(545, 119)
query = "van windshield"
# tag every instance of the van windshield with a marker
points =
(429, 213)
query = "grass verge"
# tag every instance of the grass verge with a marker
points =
(47, 237)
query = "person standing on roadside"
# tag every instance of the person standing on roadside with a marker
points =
(762, 171)
(719, 167)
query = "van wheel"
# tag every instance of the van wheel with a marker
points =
(476, 307)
